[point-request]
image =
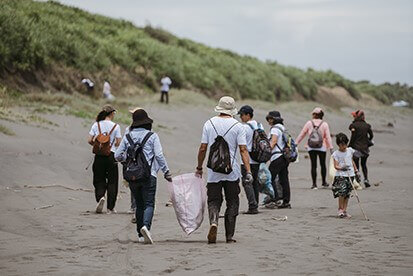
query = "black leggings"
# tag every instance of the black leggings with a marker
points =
(363, 165)
(280, 167)
(313, 156)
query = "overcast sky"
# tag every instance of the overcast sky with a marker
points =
(361, 39)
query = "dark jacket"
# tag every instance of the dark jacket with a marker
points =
(361, 133)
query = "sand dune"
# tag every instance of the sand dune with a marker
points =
(68, 238)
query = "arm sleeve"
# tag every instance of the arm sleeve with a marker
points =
(327, 137)
(120, 153)
(92, 131)
(353, 136)
(242, 136)
(370, 132)
(302, 134)
(158, 154)
(204, 139)
(118, 133)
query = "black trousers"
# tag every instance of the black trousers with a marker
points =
(280, 167)
(215, 199)
(252, 191)
(166, 95)
(313, 157)
(106, 178)
(363, 165)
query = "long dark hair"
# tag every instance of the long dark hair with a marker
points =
(102, 116)
(145, 126)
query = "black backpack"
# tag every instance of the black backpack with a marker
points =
(261, 147)
(219, 159)
(136, 168)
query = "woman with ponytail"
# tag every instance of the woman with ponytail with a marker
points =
(105, 137)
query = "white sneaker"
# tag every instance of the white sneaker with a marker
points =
(113, 211)
(146, 235)
(99, 206)
(141, 239)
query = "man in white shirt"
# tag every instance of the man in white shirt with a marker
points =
(166, 82)
(89, 84)
(233, 133)
(251, 189)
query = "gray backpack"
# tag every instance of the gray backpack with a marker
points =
(315, 140)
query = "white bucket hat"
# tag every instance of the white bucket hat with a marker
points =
(227, 106)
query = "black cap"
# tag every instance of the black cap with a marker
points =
(246, 109)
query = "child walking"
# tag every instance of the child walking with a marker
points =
(346, 172)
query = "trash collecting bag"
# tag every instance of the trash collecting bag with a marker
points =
(331, 171)
(188, 195)
(264, 180)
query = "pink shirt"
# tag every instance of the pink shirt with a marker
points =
(324, 129)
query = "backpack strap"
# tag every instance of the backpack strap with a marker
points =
(210, 120)
(113, 128)
(146, 138)
(317, 127)
(100, 131)
(251, 126)
(129, 139)
(229, 129)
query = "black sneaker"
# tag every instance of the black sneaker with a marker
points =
(367, 183)
(314, 187)
(251, 212)
(325, 185)
(284, 206)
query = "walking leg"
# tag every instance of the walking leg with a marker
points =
(231, 190)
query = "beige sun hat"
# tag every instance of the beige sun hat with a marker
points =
(227, 106)
(133, 110)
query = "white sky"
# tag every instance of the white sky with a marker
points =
(361, 39)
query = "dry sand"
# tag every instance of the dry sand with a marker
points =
(68, 238)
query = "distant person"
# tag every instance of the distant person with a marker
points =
(165, 82)
(346, 172)
(107, 94)
(251, 189)
(319, 141)
(223, 135)
(279, 165)
(143, 188)
(105, 136)
(89, 85)
(361, 139)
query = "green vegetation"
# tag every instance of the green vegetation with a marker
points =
(5, 130)
(36, 36)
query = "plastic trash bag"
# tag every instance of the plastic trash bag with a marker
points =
(264, 179)
(188, 195)
(331, 171)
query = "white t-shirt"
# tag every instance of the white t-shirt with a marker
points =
(166, 82)
(106, 126)
(276, 130)
(249, 134)
(344, 159)
(235, 137)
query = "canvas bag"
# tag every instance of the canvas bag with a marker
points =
(219, 159)
(188, 195)
(315, 139)
(102, 145)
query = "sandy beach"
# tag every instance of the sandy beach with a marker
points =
(53, 230)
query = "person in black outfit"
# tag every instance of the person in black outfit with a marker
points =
(361, 140)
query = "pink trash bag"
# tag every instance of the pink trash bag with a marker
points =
(188, 195)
